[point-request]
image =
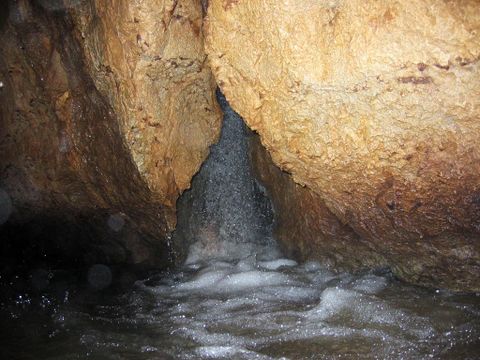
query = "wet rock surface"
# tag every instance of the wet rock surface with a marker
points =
(94, 151)
(226, 213)
(304, 226)
(147, 59)
(374, 107)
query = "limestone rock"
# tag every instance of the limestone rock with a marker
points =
(305, 228)
(147, 59)
(94, 129)
(374, 107)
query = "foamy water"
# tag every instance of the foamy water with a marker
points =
(251, 309)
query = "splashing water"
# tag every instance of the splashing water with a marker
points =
(226, 214)
(236, 297)
(243, 309)
(274, 309)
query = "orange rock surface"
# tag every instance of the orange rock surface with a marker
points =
(107, 109)
(375, 108)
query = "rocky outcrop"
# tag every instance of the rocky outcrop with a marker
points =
(374, 107)
(107, 111)
(147, 60)
(305, 228)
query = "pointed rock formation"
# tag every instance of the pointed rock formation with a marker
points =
(375, 108)
(107, 111)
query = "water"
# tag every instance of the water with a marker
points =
(235, 297)
(243, 309)
(226, 214)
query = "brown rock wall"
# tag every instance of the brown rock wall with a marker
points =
(80, 142)
(374, 106)
(304, 226)
(147, 59)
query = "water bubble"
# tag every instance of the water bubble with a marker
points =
(148, 348)
(6, 206)
(99, 276)
(66, 296)
(116, 222)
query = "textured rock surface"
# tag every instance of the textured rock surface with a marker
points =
(374, 106)
(304, 226)
(147, 59)
(98, 137)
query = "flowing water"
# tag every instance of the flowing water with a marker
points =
(243, 309)
(235, 297)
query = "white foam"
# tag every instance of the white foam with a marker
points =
(225, 352)
(370, 284)
(278, 263)
(217, 249)
(231, 308)
(215, 265)
(251, 279)
(204, 280)
(333, 300)
(312, 266)
(292, 293)
(246, 264)
(218, 351)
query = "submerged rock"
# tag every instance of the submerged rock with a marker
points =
(374, 107)
(107, 110)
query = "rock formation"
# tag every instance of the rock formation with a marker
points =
(147, 59)
(305, 228)
(374, 107)
(107, 111)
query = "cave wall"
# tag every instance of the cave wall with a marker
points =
(374, 107)
(98, 137)
(370, 109)
(147, 59)
(304, 226)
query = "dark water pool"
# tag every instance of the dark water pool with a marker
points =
(241, 309)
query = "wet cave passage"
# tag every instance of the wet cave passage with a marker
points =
(232, 294)
(310, 213)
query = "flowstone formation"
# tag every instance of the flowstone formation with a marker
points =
(107, 111)
(374, 107)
